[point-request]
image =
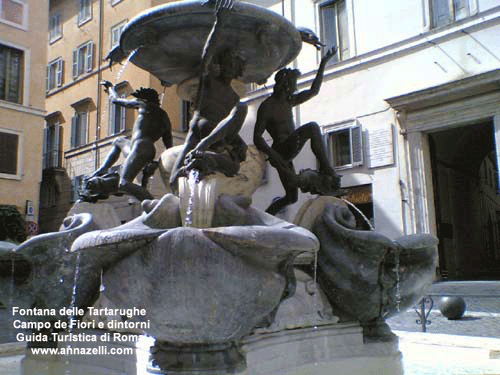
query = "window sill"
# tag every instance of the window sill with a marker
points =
(22, 108)
(10, 176)
(347, 166)
(83, 22)
(13, 24)
(52, 90)
(53, 40)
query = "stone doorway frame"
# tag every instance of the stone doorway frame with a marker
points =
(454, 104)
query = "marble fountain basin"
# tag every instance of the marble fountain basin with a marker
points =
(168, 40)
(199, 286)
(366, 275)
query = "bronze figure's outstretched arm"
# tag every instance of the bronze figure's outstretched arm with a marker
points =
(305, 95)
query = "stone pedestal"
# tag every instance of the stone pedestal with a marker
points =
(323, 350)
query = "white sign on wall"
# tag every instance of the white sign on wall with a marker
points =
(381, 146)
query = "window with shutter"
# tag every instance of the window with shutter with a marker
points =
(117, 116)
(345, 146)
(55, 74)
(79, 129)
(73, 132)
(334, 29)
(55, 28)
(52, 155)
(116, 32)
(83, 59)
(444, 12)
(45, 147)
(59, 73)
(85, 12)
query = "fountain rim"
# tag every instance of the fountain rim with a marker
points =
(161, 20)
(196, 6)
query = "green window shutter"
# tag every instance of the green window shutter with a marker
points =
(89, 57)
(74, 133)
(75, 63)
(357, 145)
(45, 147)
(59, 72)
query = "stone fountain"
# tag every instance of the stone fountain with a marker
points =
(236, 291)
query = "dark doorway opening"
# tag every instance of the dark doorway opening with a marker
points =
(467, 201)
(362, 198)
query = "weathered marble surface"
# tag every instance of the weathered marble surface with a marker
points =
(54, 269)
(216, 283)
(246, 181)
(366, 275)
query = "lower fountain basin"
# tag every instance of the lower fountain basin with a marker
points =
(194, 291)
(199, 286)
(333, 349)
(366, 276)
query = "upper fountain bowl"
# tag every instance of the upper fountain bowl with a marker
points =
(170, 40)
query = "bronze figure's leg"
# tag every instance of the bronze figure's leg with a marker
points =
(227, 129)
(192, 139)
(120, 145)
(312, 131)
(143, 151)
(291, 190)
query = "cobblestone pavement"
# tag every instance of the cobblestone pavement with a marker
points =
(470, 345)
(481, 318)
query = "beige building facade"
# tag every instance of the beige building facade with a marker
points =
(23, 53)
(81, 123)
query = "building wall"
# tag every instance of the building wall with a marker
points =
(389, 58)
(394, 51)
(60, 101)
(26, 118)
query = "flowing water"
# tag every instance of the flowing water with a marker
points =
(125, 64)
(360, 213)
(398, 286)
(316, 289)
(102, 288)
(162, 96)
(193, 181)
(74, 291)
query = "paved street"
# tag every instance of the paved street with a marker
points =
(481, 318)
(470, 345)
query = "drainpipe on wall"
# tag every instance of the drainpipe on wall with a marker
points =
(99, 78)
